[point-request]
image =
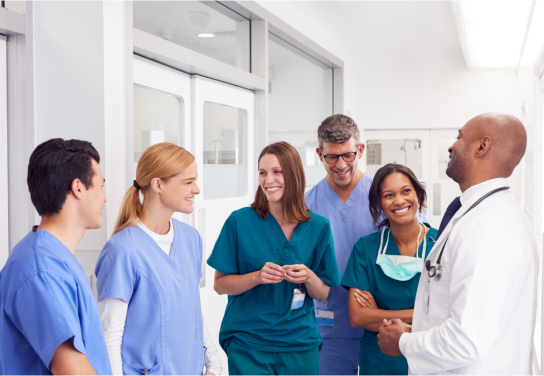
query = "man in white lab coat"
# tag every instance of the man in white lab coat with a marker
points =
(478, 317)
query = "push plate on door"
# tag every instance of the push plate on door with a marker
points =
(374, 154)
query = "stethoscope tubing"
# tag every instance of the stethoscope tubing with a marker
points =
(436, 270)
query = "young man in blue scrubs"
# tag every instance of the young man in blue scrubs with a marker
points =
(49, 321)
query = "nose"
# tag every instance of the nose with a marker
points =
(196, 190)
(399, 200)
(341, 164)
(450, 149)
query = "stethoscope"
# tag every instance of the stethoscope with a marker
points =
(436, 270)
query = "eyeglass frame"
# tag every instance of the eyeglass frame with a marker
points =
(340, 155)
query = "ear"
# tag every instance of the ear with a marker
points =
(361, 149)
(77, 188)
(318, 151)
(484, 145)
(156, 185)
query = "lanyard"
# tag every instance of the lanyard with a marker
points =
(436, 270)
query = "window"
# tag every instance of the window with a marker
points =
(300, 98)
(402, 151)
(224, 151)
(208, 28)
(158, 117)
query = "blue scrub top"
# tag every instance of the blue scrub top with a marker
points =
(163, 329)
(261, 318)
(46, 299)
(363, 273)
(349, 222)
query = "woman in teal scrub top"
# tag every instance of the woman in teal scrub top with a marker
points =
(383, 271)
(272, 259)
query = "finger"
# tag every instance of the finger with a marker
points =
(269, 280)
(273, 276)
(274, 267)
(274, 272)
(397, 321)
(361, 303)
(295, 267)
(386, 323)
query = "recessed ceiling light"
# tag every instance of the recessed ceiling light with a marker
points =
(207, 35)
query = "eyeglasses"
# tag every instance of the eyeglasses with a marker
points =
(333, 158)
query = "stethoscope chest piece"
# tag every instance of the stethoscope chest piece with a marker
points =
(434, 270)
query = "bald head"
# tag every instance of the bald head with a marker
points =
(488, 146)
(508, 139)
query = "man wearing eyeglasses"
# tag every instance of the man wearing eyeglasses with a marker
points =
(342, 197)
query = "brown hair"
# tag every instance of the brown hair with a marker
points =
(374, 194)
(337, 129)
(162, 161)
(294, 205)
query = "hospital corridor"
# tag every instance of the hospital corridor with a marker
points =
(271, 187)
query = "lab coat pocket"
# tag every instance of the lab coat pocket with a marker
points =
(155, 370)
(439, 299)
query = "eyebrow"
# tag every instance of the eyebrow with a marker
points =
(273, 168)
(190, 178)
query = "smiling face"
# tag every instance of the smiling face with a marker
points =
(179, 191)
(271, 178)
(398, 199)
(93, 199)
(341, 172)
(459, 156)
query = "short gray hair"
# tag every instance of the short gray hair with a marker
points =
(337, 129)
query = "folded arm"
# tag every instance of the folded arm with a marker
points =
(364, 312)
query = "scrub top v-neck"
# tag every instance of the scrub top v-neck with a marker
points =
(261, 318)
(163, 329)
(363, 273)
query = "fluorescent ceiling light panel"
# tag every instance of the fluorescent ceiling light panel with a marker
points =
(535, 37)
(495, 30)
(206, 35)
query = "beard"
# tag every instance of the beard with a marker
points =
(456, 168)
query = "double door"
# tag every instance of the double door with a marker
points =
(215, 122)
(425, 152)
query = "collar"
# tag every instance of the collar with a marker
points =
(481, 189)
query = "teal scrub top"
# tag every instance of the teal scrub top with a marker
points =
(363, 273)
(261, 318)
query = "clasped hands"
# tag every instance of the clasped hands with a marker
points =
(391, 330)
(272, 273)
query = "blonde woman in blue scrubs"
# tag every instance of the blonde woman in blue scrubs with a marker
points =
(148, 274)
(273, 259)
(383, 271)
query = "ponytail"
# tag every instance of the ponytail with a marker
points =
(162, 161)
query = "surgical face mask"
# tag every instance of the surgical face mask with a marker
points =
(401, 268)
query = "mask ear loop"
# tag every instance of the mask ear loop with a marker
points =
(417, 241)
(380, 250)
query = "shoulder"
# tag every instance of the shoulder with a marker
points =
(243, 214)
(368, 245)
(311, 195)
(122, 244)
(318, 220)
(432, 232)
(185, 229)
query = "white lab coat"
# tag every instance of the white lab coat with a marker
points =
(481, 313)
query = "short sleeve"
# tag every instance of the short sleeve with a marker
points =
(45, 310)
(115, 277)
(224, 257)
(327, 269)
(356, 274)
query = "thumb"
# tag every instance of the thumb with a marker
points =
(386, 323)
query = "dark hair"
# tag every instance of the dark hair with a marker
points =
(53, 165)
(294, 204)
(374, 194)
(337, 129)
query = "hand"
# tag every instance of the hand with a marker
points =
(389, 336)
(365, 299)
(270, 273)
(296, 273)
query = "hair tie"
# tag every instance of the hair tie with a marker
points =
(136, 185)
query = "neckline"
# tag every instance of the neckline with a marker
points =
(352, 196)
(156, 247)
(420, 246)
(279, 232)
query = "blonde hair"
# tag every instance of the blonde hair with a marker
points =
(161, 161)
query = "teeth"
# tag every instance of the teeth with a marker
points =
(189, 199)
(401, 211)
(272, 189)
(341, 173)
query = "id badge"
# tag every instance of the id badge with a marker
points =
(324, 316)
(299, 294)
(427, 296)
